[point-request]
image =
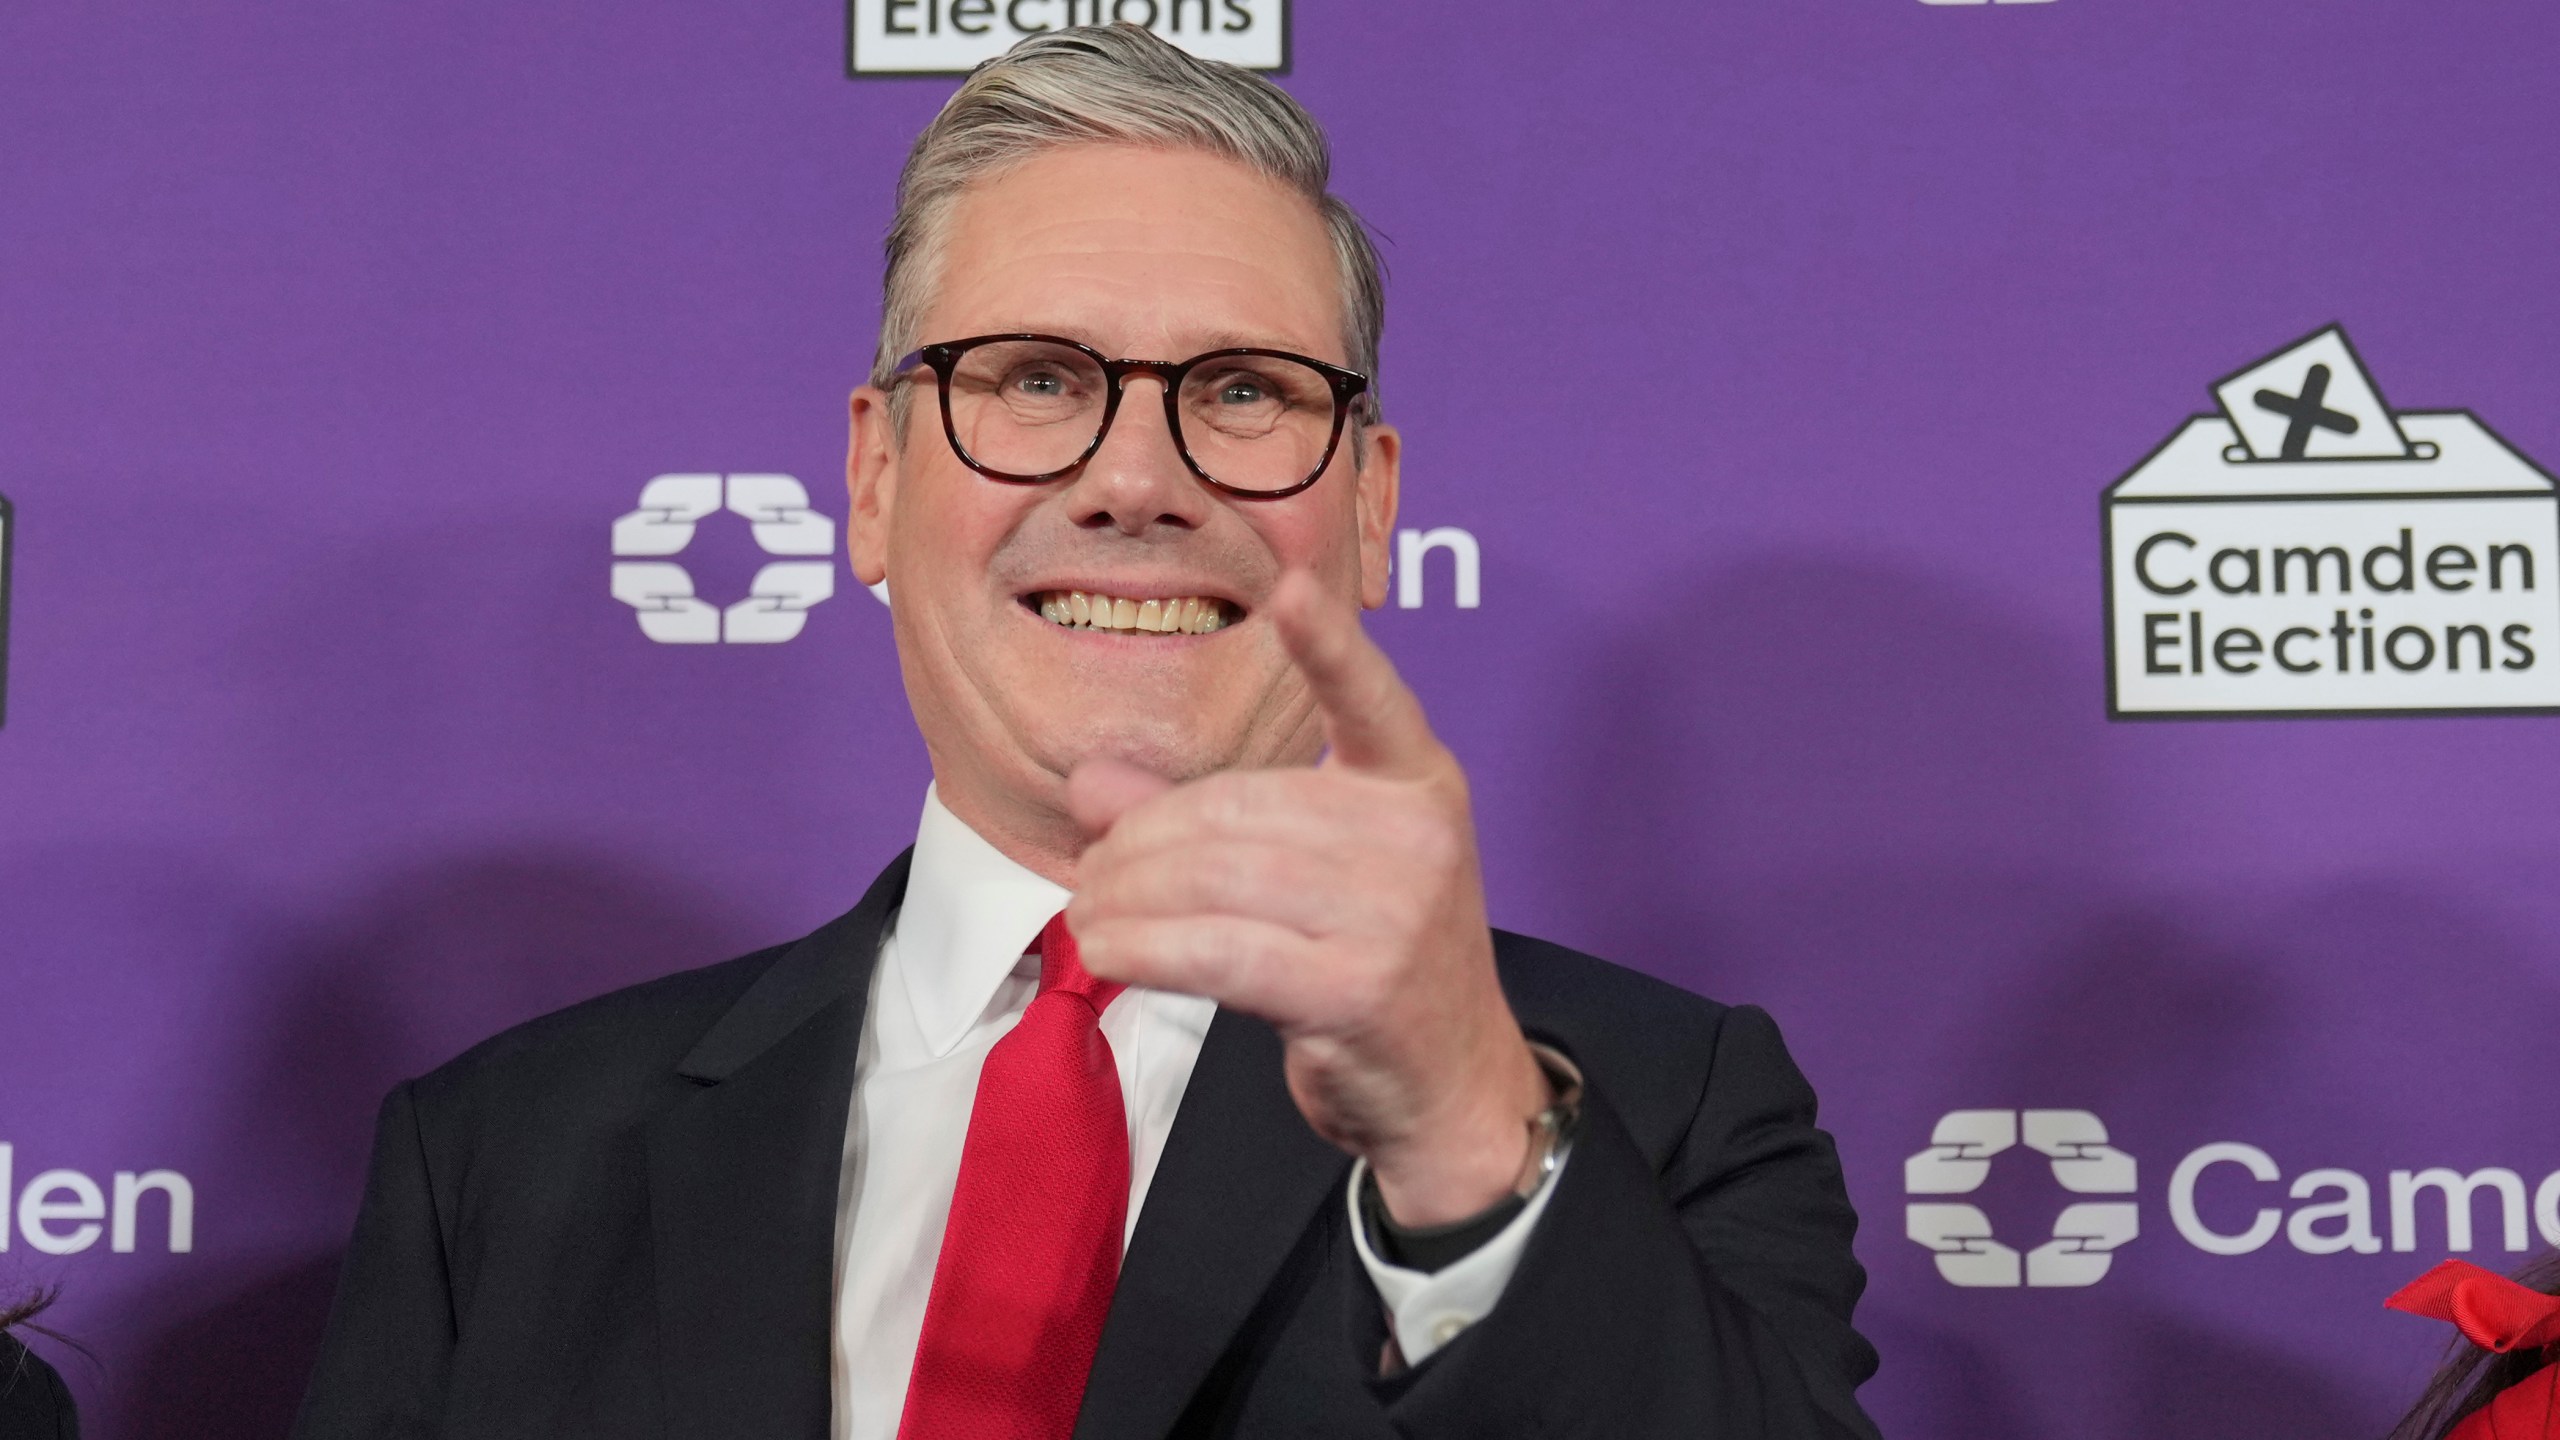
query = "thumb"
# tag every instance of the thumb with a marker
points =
(1099, 792)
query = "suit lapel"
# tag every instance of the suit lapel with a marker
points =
(743, 1178)
(1241, 1178)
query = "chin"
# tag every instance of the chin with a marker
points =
(1154, 742)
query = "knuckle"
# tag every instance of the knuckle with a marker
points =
(1229, 801)
(1218, 804)
(1363, 989)
(1235, 944)
(1223, 948)
(1112, 885)
(1104, 859)
(1438, 845)
(1222, 872)
(1421, 834)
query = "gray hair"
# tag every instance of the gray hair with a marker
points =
(1113, 84)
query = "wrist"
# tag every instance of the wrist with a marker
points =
(1467, 1162)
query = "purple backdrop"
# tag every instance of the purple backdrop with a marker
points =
(337, 337)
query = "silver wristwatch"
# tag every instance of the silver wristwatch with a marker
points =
(1551, 1130)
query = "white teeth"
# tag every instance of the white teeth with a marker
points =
(1185, 615)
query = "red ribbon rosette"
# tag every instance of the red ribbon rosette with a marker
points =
(2498, 1315)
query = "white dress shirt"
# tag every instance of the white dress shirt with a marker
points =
(955, 972)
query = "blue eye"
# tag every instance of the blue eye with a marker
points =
(1240, 392)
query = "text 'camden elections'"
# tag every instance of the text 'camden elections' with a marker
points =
(2296, 596)
(947, 37)
(2311, 551)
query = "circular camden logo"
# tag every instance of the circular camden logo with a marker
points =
(777, 510)
(2224, 1197)
(1958, 1161)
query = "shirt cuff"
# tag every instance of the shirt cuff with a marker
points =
(1427, 1310)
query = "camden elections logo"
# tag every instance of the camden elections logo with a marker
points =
(947, 37)
(2225, 1198)
(2310, 550)
(63, 1212)
(780, 598)
(8, 539)
(1958, 1161)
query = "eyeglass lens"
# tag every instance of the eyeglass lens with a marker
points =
(1250, 422)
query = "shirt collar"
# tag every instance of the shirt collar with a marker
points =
(969, 917)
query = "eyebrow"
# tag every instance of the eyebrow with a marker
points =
(1206, 340)
(1230, 339)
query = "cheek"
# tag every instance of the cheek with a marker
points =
(947, 529)
(1323, 537)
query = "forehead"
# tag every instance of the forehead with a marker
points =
(1143, 252)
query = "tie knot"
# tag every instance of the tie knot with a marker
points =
(1062, 968)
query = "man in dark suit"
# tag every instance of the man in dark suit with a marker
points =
(1174, 1083)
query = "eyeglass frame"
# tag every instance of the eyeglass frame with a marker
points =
(1349, 387)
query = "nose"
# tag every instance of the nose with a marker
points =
(1137, 481)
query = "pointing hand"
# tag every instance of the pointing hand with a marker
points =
(1342, 903)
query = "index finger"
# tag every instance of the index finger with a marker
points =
(1372, 720)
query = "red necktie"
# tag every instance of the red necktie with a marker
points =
(1033, 1247)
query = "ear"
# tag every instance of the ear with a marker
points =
(871, 483)
(1382, 450)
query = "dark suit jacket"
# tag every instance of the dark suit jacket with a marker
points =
(33, 1403)
(619, 1221)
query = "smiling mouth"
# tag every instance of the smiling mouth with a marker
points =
(1091, 610)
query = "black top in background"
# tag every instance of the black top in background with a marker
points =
(33, 1403)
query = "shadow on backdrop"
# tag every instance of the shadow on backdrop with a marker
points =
(1870, 796)
(1946, 1384)
(406, 978)
(2194, 1384)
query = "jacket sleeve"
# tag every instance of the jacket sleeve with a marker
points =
(391, 1331)
(1708, 1297)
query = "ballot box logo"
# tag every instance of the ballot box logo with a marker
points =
(1959, 1234)
(949, 37)
(2308, 550)
(660, 590)
(8, 542)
